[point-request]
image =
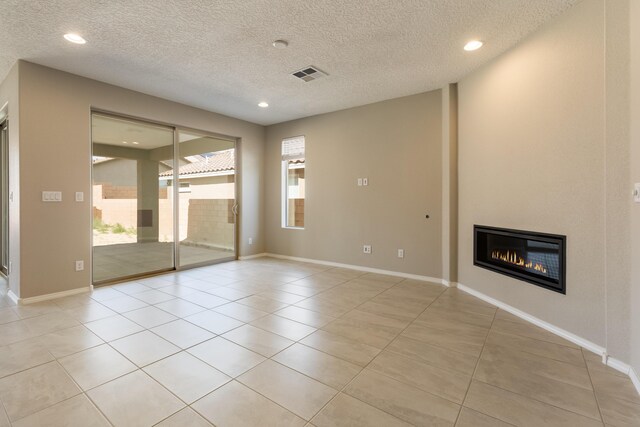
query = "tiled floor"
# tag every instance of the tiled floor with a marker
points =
(275, 343)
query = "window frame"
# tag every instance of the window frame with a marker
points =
(284, 184)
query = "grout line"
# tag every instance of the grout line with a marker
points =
(593, 387)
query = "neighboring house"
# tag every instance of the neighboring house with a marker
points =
(207, 197)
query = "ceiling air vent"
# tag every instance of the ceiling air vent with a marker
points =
(309, 73)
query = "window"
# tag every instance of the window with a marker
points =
(293, 182)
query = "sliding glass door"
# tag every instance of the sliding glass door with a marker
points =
(207, 202)
(139, 213)
(132, 208)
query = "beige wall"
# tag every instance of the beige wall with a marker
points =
(9, 99)
(396, 144)
(55, 152)
(617, 189)
(634, 301)
(531, 141)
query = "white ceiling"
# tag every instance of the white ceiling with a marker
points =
(217, 54)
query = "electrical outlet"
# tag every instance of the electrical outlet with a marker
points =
(79, 265)
(400, 253)
(251, 240)
(366, 249)
(636, 193)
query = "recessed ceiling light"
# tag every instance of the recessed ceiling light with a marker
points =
(74, 38)
(135, 143)
(124, 142)
(263, 105)
(280, 44)
(473, 45)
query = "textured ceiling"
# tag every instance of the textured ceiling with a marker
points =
(217, 54)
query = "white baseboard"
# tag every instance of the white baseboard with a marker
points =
(360, 268)
(618, 365)
(582, 342)
(55, 295)
(244, 258)
(635, 379)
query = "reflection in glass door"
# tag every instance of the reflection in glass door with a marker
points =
(206, 196)
(132, 206)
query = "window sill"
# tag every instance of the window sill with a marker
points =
(293, 228)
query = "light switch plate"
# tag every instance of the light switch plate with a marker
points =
(359, 182)
(51, 196)
(365, 181)
(636, 192)
(366, 249)
(79, 196)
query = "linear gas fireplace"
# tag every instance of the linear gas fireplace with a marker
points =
(537, 258)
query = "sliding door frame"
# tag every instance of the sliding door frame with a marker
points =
(176, 195)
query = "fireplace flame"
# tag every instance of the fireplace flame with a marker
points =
(512, 257)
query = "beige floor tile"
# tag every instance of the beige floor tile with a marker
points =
(179, 307)
(135, 400)
(4, 419)
(105, 293)
(282, 296)
(461, 317)
(75, 412)
(302, 291)
(131, 288)
(186, 376)
(470, 418)
(325, 306)
(537, 347)
(114, 327)
(614, 386)
(454, 327)
(547, 390)
(68, 341)
(547, 368)
(284, 327)
(50, 322)
(451, 385)
(95, 366)
(456, 342)
(308, 317)
(154, 296)
(230, 294)
(449, 304)
(241, 312)
(360, 332)
(619, 412)
(14, 332)
(294, 391)
(38, 309)
(258, 340)
(529, 331)
(29, 391)
(8, 315)
(182, 333)
(23, 355)
(123, 304)
(384, 306)
(185, 418)
(433, 355)
(323, 367)
(89, 312)
(204, 299)
(345, 411)
(176, 291)
(149, 317)
(235, 405)
(519, 410)
(263, 303)
(402, 400)
(214, 322)
(144, 348)
(74, 301)
(342, 347)
(228, 357)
